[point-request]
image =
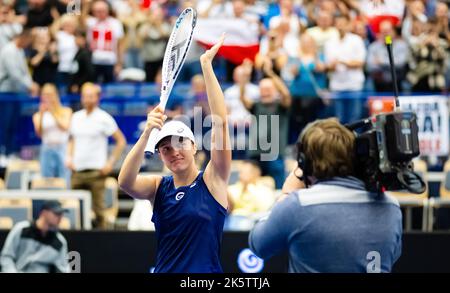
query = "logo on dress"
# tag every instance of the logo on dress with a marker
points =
(179, 195)
(193, 184)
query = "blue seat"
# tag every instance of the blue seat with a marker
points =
(119, 90)
(73, 215)
(16, 209)
(19, 173)
(149, 91)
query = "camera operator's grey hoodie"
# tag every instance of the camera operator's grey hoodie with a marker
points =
(26, 250)
(334, 226)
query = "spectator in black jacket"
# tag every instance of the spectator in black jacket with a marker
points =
(43, 57)
(83, 70)
(41, 13)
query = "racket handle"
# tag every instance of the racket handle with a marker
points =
(150, 148)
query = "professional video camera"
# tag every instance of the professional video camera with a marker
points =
(383, 153)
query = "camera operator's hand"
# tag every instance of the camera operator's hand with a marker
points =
(292, 183)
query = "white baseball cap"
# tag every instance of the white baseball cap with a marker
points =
(174, 128)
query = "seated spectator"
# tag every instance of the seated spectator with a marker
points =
(37, 247)
(250, 197)
(378, 60)
(51, 124)
(44, 57)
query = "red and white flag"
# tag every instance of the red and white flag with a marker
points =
(241, 40)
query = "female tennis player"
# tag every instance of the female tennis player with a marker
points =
(189, 206)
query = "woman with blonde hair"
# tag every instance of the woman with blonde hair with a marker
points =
(51, 124)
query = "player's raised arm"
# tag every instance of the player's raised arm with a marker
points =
(218, 170)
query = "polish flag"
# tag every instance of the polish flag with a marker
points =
(241, 41)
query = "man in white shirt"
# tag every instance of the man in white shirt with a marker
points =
(345, 61)
(105, 38)
(88, 148)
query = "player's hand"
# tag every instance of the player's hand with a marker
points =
(155, 119)
(208, 56)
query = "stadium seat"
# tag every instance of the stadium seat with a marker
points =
(72, 219)
(119, 90)
(149, 91)
(410, 200)
(444, 190)
(16, 209)
(443, 201)
(111, 201)
(182, 89)
(6, 223)
(48, 184)
(65, 224)
(19, 173)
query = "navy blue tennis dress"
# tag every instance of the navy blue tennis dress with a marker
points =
(189, 224)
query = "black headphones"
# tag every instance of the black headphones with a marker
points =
(302, 160)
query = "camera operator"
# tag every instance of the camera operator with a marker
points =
(335, 225)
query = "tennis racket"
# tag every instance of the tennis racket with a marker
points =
(179, 43)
